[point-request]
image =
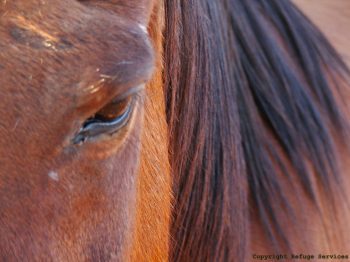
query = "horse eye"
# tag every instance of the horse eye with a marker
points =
(107, 121)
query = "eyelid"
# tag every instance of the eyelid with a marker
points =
(132, 91)
(88, 103)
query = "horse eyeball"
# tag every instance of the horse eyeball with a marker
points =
(113, 110)
(107, 121)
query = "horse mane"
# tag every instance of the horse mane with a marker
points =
(249, 96)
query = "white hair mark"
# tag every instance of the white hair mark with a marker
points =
(53, 175)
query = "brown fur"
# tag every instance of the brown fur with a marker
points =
(51, 52)
(151, 241)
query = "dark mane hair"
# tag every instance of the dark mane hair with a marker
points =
(245, 80)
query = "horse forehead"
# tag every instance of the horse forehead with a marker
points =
(49, 26)
(64, 44)
(136, 10)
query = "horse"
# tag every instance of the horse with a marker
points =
(183, 130)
